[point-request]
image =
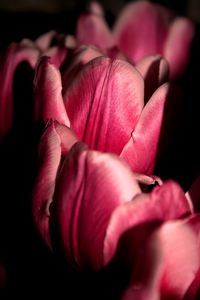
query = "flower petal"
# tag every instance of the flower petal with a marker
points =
(14, 55)
(57, 54)
(43, 42)
(89, 187)
(81, 56)
(105, 102)
(56, 140)
(171, 259)
(148, 141)
(93, 30)
(178, 44)
(48, 97)
(163, 203)
(155, 71)
(150, 20)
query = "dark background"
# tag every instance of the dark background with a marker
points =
(30, 18)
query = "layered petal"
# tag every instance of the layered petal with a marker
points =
(155, 127)
(56, 141)
(141, 29)
(105, 102)
(81, 56)
(171, 259)
(155, 71)
(178, 45)
(164, 203)
(48, 93)
(89, 187)
(92, 30)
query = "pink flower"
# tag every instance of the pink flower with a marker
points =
(142, 29)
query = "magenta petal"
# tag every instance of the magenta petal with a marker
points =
(14, 55)
(81, 56)
(58, 55)
(178, 44)
(141, 29)
(105, 102)
(144, 146)
(48, 97)
(155, 71)
(43, 42)
(193, 292)
(93, 30)
(168, 265)
(163, 203)
(56, 140)
(89, 187)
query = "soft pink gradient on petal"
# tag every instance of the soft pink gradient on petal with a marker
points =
(168, 265)
(155, 71)
(13, 56)
(56, 140)
(92, 30)
(81, 56)
(105, 102)
(58, 55)
(178, 44)
(141, 29)
(43, 42)
(193, 291)
(89, 187)
(48, 97)
(142, 149)
(163, 203)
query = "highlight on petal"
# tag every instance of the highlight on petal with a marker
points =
(81, 56)
(193, 291)
(14, 55)
(96, 8)
(105, 102)
(58, 55)
(43, 42)
(178, 45)
(89, 187)
(167, 265)
(92, 30)
(164, 203)
(57, 140)
(152, 21)
(194, 194)
(48, 93)
(152, 132)
(155, 71)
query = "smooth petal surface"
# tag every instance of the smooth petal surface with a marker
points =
(14, 55)
(141, 29)
(155, 71)
(164, 203)
(81, 56)
(146, 143)
(92, 30)
(105, 102)
(43, 42)
(58, 55)
(56, 140)
(171, 259)
(49, 103)
(178, 44)
(89, 187)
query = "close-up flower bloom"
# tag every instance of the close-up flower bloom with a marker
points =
(100, 185)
